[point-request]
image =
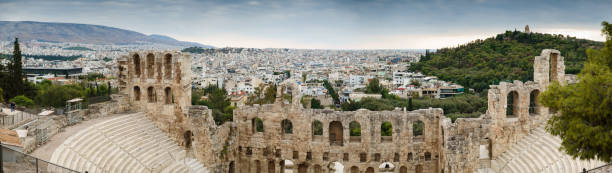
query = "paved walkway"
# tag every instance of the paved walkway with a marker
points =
(46, 150)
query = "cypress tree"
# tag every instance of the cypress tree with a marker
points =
(15, 87)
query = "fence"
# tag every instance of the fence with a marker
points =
(607, 168)
(15, 161)
(17, 116)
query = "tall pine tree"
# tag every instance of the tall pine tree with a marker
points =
(15, 87)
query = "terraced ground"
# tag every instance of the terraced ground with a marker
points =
(129, 143)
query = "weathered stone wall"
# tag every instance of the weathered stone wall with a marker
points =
(463, 146)
(273, 145)
(117, 104)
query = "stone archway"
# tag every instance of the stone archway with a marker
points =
(187, 137)
(303, 168)
(354, 169)
(512, 104)
(336, 133)
(370, 170)
(137, 65)
(271, 166)
(403, 169)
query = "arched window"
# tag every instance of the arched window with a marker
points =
(317, 169)
(257, 125)
(386, 131)
(403, 169)
(271, 166)
(533, 102)
(287, 126)
(370, 170)
(136, 93)
(187, 136)
(427, 156)
(354, 169)
(355, 131)
(409, 156)
(151, 94)
(168, 66)
(317, 128)
(512, 105)
(336, 133)
(169, 97)
(137, 65)
(417, 128)
(150, 65)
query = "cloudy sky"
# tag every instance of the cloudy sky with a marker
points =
(327, 24)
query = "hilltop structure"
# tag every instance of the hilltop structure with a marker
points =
(284, 136)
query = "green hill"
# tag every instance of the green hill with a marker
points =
(505, 57)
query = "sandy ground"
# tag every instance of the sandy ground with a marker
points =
(46, 150)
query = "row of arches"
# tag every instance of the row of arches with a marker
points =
(152, 96)
(150, 65)
(336, 130)
(289, 166)
(513, 104)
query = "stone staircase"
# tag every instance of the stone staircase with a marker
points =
(129, 143)
(538, 152)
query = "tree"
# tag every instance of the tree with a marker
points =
(22, 100)
(584, 119)
(415, 82)
(410, 107)
(374, 87)
(315, 104)
(331, 92)
(1, 96)
(14, 82)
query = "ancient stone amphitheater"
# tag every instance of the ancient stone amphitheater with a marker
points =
(168, 134)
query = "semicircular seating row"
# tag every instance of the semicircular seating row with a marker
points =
(538, 152)
(129, 143)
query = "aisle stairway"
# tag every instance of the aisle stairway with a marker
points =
(538, 152)
(129, 143)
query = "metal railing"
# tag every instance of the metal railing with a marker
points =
(602, 169)
(16, 161)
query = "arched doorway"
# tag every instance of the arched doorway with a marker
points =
(370, 170)
(150, 65)
(317, 169)
(403, 169)
(512, 103)
(137, 65)
(336, 133)
(303, 168)
(533, 102)
(257, 166)
(151, 95)
(354, 169)
(169, 98)
(136, 93)
(231, 167)
(168, 66)
(271, 166)
(187, 136)
(419, 169)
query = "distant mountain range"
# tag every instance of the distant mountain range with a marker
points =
(82, 33)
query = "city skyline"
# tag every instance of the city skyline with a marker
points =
(378, 24)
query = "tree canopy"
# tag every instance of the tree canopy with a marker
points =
(584, 119)
(507, 56)
(216, 100)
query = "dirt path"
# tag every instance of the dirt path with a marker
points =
(46, 150)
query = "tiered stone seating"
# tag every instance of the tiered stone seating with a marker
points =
(538, 152)
(129, 143)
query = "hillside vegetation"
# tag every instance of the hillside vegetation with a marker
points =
(505, 57)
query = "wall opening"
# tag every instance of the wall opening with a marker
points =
(302, 168)
(512, 102)
(553, 67)
(419, 169)
(417, 128)
(409, 157)
(231, 167)
(136, 93)
(150, 65)
(533, 102)
(287, 126)
(257, 125)
(257, 166)
(370, 170)
(317, 128)
(363, 157)
(137, 65)
(318, 169)
(354, 131)
(336, 133)
(403, 169)
(151, 95)
(271, 166)
(187, 135)
(169, 98)
(427, 156)
(386, 131)
(354, 169)
(168, 66)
